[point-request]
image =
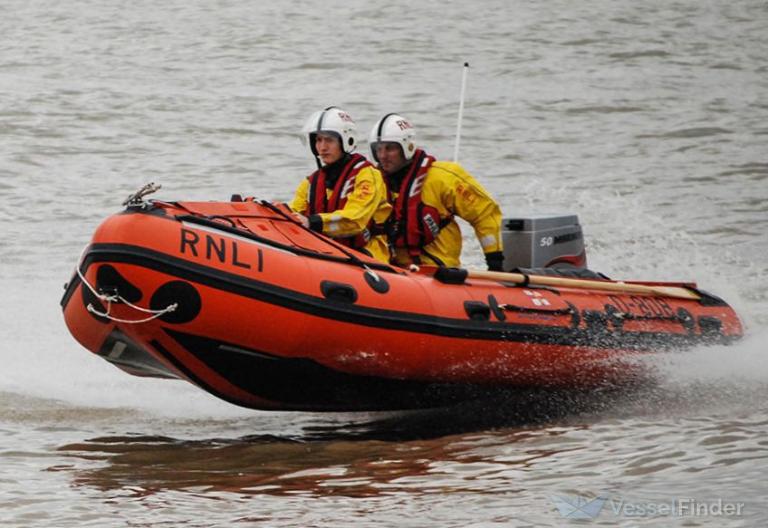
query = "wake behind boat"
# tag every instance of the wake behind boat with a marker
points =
(240, 300)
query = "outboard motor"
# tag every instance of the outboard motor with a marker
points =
(543, 241)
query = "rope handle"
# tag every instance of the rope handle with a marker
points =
(108, 315)
(117, 298)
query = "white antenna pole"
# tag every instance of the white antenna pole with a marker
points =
(461, 111)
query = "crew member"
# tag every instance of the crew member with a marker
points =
(345, 198)
(427, 195)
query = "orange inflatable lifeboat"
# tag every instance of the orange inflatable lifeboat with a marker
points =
(242, 301)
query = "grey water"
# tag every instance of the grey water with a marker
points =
(647, 119)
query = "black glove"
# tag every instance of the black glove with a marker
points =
(495, 261)
(316, 223)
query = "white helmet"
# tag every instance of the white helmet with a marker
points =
(333, 120)
(394, 128)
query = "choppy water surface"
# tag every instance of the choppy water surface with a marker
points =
(647, 119)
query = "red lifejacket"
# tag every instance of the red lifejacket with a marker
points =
(416, 223)
(320, 202)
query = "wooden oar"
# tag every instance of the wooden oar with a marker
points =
(586, 284)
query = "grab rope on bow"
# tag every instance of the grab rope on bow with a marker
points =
(117, 298)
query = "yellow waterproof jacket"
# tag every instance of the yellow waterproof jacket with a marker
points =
(453, 191)
(367, 201)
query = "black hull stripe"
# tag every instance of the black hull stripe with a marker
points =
(375, 317)
(195, 379)
(301, 384)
